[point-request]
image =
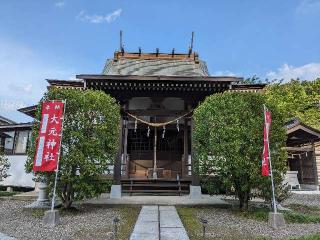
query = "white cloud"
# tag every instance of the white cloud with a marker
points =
(60, 4)
(307, 7)
(287, 72)
(83, 16)
(23, 74)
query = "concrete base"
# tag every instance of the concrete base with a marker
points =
(195, 192)
(309, 187)
(10, 189)
(51, 218)
(276, 220)
(115, 191)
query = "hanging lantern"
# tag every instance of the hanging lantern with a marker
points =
(178, 125)
(164, 131)
(135, 125)
(148, 132)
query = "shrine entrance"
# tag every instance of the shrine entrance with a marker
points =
(169, 153)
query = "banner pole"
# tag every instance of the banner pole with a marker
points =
(57, 170)
(270, 164)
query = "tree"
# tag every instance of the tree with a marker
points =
(89, 143)
(228, 139)
(297, 99)
(4, 166)
(251, 80)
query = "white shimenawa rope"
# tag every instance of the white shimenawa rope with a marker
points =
(158, 124)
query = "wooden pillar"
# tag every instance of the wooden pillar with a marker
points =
(195, 177)
(117, 163)
(185, 149)
(125, 147)
(314, 161)
(301, 169)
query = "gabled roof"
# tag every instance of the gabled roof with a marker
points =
(300, 133)
(30, 111)
(4, 121)
(15, 126)
(155, 64)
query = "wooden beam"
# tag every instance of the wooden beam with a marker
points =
(143, 112)
(125, 148)
(117, 163)
(299, 149)
(314, 161)
(185, 148)
(197, 79)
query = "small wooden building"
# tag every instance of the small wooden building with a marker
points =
(303, 146)
(157, 93)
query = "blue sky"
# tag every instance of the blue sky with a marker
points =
(60, 38)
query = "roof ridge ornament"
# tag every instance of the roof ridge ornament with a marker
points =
(191, 45)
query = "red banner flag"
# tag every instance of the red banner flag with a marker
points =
(265, 153)
(48, 144)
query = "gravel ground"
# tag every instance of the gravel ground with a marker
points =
(222, 223)
(88, 223)
(303, 199)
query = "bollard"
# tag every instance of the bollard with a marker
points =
(204, 225)
(116, 221)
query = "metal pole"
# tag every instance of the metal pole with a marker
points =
(270, 164)
(57, 170)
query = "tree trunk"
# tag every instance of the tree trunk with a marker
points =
(67, 195)
(243, 200)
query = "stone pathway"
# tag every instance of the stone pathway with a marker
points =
(159, 223)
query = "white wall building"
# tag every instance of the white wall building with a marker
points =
(14, 142)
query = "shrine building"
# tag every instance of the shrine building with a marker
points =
(157, 93)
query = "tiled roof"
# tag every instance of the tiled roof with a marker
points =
(4, 121)
(155, 67)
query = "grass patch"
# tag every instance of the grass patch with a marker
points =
(299, 214)
(305, 209)
(311, 237)
(191, 222)
(296, 217)
(36, 213)
(7, 194)
(128, 218)
(260, 214)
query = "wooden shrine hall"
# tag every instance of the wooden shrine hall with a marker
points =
(157, 93)
(303, 145)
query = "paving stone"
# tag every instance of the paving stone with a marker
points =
(167, 208)
(173, 234)
(148, 217)
(170, 219)
(142, 236)
(150, 208)
(147, 227)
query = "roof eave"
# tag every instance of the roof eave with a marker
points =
(158, 78)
